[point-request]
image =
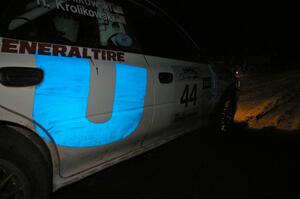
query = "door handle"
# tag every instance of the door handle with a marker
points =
(20, 76)
(165, 78)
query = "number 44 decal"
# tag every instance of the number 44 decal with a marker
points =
(188, 96)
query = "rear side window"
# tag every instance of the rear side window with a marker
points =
(90, 23)
(158, 35)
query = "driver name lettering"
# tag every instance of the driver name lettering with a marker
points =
(101, 10)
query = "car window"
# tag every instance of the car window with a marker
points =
(158, 35)
(90, 23)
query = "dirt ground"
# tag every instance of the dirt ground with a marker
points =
(270, 101)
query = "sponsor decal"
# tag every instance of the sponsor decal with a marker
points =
(186, 73)
(207, 82)
(61, 102)
(184, 116)
(32, 48)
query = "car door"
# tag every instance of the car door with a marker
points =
(95, 100)
(177, 101)
(178, 79)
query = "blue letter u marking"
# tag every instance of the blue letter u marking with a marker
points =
(61, 100)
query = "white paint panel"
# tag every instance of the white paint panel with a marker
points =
(167, 104)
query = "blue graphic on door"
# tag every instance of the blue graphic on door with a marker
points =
(61, 102)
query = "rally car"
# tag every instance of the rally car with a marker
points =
(85, 84)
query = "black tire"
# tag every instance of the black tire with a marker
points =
(224, 117)
(24, 172)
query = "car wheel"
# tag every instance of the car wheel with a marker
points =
(224, 118)
(23, 172)
(13, 182)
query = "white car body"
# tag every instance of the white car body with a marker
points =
(105, 107)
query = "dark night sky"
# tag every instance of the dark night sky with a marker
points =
(240, 28)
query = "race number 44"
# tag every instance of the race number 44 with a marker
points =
(189, 96)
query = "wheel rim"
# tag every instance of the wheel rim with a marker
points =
(226, 116)
(13, 183)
